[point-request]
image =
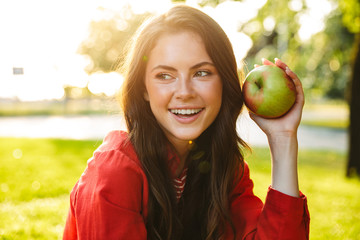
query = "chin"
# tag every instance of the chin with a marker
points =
(186, 135)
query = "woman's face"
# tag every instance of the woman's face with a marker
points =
(183, 86)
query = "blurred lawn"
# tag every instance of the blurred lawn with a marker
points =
(326, 113)
(333, 200)
(84, 106)
(36, 177)
(333, 115)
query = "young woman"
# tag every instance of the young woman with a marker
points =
(179, 172)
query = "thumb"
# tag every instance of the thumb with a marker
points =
(258, 120)
(253, 116)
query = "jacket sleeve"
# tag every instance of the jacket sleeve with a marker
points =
(70, 232)
(108, 200)
(281, 217)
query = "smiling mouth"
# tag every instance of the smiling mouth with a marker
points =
(186, 112)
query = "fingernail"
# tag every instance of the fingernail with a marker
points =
(276, 59)
(287, 69)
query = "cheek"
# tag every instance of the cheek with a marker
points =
(213, 94)
(158, 96)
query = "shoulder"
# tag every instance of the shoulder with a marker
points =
(113, 163)
(115, 157)
(116, 149)
(114, 173)
(116, 141)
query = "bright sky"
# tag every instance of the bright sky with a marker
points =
(42, 37)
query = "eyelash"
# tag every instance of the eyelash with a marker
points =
(166, 76)
(163, 76)
(206, 73)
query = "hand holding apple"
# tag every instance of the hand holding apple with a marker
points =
(289, 122)
(282, 134)
(268, 91)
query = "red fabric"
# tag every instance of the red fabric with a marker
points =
(281, 217)
(110, 202)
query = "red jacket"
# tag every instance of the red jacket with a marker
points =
(110, 202)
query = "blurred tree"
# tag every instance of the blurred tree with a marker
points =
(354, 128)
(108, 38)
(72, 92)
(316, 59)
(321, 61)
(351, 19)
(203, 3)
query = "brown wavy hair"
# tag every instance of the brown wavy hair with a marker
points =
(216, 162)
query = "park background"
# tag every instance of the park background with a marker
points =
(58, 99)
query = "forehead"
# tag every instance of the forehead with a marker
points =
(176, 46)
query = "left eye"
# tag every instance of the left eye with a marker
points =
(164, 76)
(202, 73)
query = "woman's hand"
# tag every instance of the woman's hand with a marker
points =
(282, 138)
(287, 124)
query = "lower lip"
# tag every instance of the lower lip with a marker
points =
(188, 119)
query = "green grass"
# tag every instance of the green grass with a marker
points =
(330, 123)
(59, 107)
(36, 176)
(334, 115)
(333, 200)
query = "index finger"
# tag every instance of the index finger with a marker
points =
(267, 62)
(281, 64)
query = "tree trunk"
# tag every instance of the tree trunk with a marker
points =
(353, 167)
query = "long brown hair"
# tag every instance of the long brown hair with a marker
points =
(216, 162)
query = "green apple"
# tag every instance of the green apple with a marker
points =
(268, 91)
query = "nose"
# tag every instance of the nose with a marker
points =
(184, 88)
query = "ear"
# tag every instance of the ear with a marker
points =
(146, 96)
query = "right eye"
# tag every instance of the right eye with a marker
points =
(164, 76)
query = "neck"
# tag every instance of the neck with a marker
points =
(182, 149)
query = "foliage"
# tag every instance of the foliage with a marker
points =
(72, 92)
(203, 3)
(351, 17)
(108, 38)
(36, 177)
(322, 62)
(328, 63)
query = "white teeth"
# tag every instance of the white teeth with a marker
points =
(185, 111)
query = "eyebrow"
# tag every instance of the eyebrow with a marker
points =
(169, 68)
